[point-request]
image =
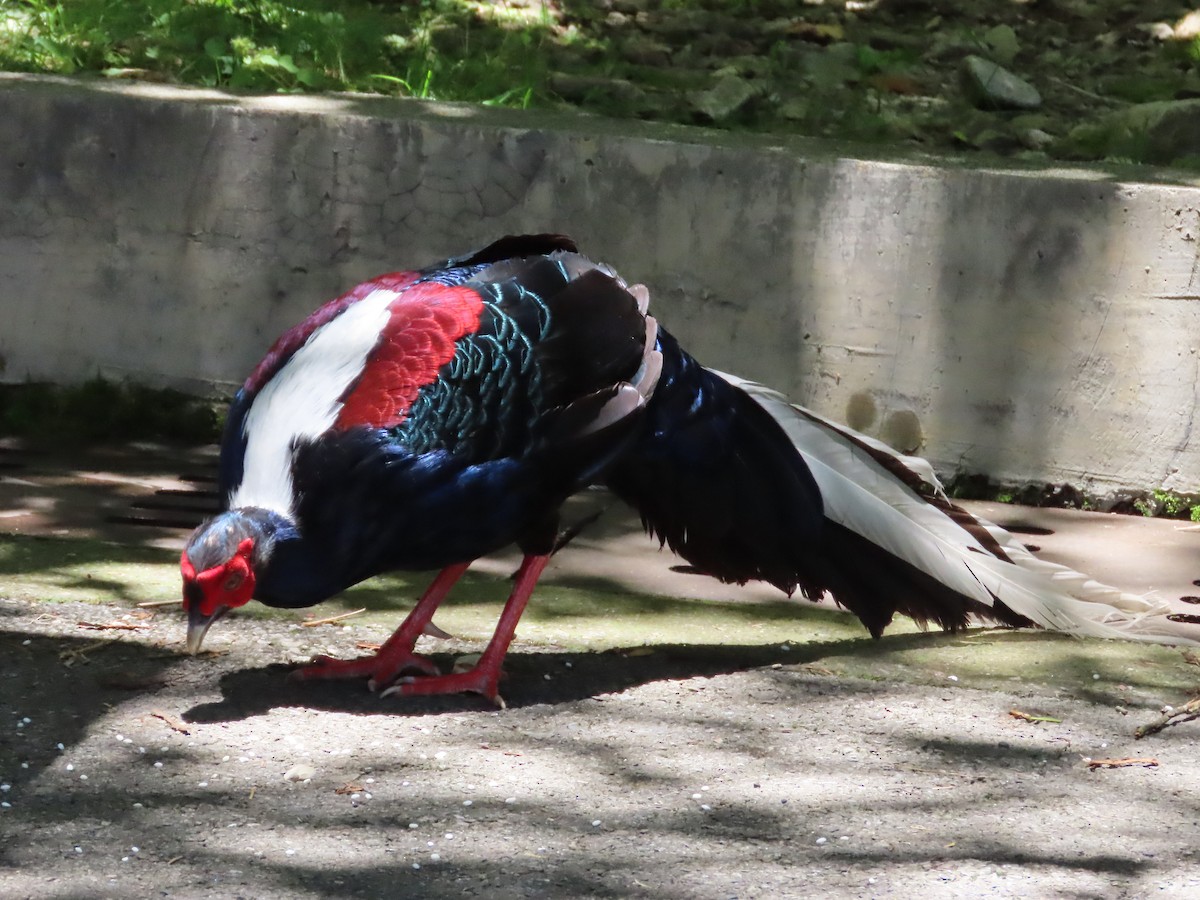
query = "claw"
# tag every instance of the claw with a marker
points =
(474, 681)
(378, 669)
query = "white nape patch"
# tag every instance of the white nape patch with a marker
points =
(302, 401)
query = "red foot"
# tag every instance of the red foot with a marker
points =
(396, 655)
(381, 669)
(483, 680)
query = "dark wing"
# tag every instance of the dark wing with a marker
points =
(555, 339)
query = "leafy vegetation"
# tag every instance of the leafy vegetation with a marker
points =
(885, 72)
(451, 48)
(101, 410)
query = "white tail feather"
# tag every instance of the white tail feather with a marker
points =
(862, 494)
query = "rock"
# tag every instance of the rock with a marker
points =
(679, 23)
(989, 86)
(299, 772)
(1160, 31)
(725, 99)
(1035, 139)
(1187, 28)
(644, 51)
(582, 87)
(1001, 42)
(1158, 133)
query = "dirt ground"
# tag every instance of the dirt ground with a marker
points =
(665, 736)
(669, 772)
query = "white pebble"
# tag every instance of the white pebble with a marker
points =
(201, 784)
(821, 840)
(952, 677)
(299, 772)
(70, 767)
(4, 804)
(435, 856)
(60, 746)
(416, 865)
(705, 807)
(510, 799)
(120, 737)
(5, 787)
(697, 796)
(290, 852)
(158, 764)
(595, 823)
(27, 720)
(1095, 676)
(133, 849)
(83, 778)
(441, 754)
(467, 802)
(449, 835)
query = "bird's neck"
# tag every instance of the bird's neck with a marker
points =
(291, 571)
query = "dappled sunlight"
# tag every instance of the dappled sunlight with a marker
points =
(777, 778)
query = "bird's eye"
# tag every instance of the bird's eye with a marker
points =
(233, 582)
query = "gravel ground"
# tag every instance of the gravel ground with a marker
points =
(128, 770)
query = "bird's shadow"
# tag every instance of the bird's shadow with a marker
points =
(534, 678)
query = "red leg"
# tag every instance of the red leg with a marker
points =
(484, 678)
(396, 654)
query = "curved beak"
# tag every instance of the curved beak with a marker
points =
(198, 625)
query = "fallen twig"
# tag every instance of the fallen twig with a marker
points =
(312, 623)
(1027, 717)
(1124, 763)
(350, 788)
(150, 604)
(173, 723)
(369, 646)
(113, 626)
(74, 654)
(1185, 713)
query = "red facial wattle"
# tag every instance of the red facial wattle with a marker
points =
(209, 594)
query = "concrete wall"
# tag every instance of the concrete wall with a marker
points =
(1039, 326)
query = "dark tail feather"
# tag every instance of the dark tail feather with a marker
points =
(894, 543)
(716, 479)
(746, 486)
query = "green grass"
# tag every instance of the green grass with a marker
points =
(447, 49)
(596, 617)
